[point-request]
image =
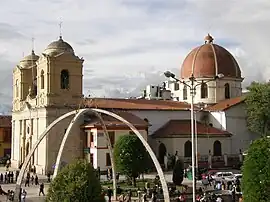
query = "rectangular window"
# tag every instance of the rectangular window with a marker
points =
(7, 135)
(112, 137)
(91, 137)
(176, 86)
(108, 159)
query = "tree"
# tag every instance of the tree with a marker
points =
(256, 169)
(131, 157)
(178, 173)
(75, 182)
(258, 108)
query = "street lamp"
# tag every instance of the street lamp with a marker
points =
(192, 88)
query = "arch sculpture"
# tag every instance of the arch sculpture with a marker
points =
(148, 148)
(67, 133)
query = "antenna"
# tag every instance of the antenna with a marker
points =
(60, 29)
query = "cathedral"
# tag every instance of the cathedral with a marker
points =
(44, 88)
(49, 85)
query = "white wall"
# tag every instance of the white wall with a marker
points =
(204, 145)
(159, 118)
(237, 125)
(100, 150)
(218, 119)
(216, 90)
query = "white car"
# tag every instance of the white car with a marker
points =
(220, 176)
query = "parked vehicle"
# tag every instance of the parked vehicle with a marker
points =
(3, 160)
(220, 176)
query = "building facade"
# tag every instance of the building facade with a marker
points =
(44, 88)
(5, 136)
(49, 85)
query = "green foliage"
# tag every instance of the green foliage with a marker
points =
(76, 182)
(258, 107)
(256, 172)
(178, 173)
(131, 157)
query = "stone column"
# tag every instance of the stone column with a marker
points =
(166, 162)
(209, 160)
(226, 159)
(241, 158)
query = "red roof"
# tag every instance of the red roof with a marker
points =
(110, 121)
(5, 121)
(135, 104)
(182, 128)
(226, 104)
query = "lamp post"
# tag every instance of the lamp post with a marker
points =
(196, 139)
(193, 84)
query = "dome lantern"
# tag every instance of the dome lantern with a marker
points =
(208, 39)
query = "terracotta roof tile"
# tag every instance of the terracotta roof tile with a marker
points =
(5, 121)
(226, 104)
(110, 121)
(179, 128)
(135, 104)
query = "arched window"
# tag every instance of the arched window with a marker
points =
(64, 79)
(17, 88)
(217, 148)
(227, 91)
(185, 92)
(204, 90)
(42, 79)
(161, 153)
(188, 149)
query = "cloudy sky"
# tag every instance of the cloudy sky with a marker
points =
(127, 44)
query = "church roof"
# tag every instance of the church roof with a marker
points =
(58, 46)
(135, 104)
(182, 128)
(209, 60)
(5, 121)
(109, 121)
(226, 104)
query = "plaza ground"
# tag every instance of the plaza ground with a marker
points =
(33, 191)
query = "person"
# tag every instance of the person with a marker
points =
(41, 189)
(2, 192)
(32, 179)
(27, 181)
(182, 197)
(219, 199)
(109, 194)
(154, 197)
(23, 195)
(36, 180)
(49, 176)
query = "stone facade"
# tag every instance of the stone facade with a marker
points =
(44, 88)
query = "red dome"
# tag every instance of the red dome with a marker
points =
(208, 60)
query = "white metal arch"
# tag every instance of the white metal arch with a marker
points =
(148, 148)
(27, 159)
(67, 133)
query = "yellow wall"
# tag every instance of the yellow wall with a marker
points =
(5, 143)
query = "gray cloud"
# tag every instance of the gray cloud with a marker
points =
(120, 40)
(8, 32)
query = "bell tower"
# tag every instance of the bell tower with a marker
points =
(59, 76)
